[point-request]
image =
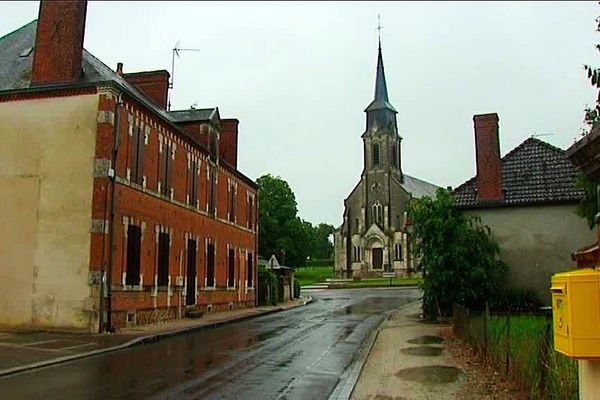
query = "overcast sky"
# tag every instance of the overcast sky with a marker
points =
(299, 75)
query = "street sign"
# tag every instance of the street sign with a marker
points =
(389, 274)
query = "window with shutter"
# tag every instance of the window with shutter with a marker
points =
(134, 243)
(163, 258)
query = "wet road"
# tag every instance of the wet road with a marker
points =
(295, 354)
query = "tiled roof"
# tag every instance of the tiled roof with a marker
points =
(535, 172)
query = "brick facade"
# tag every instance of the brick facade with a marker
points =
(143, 205)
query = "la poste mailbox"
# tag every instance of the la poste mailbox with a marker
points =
(576, 313)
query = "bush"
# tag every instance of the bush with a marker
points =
(516, 300)
(296, 289)
(267, 287)
(457, 255)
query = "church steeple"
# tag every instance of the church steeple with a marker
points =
(381, 113)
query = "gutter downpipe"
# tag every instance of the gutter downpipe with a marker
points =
(255, 256)
(118, 106)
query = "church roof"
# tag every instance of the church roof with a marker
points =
(381, 100)
(534, 172)
(417, 187)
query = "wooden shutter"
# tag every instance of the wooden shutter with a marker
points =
(141, 140)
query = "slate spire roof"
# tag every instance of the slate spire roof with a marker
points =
(381, 100)
(533, 173)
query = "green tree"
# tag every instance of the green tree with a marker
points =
(457, 255)
(277, 207)
(588, 206)
(322, 246)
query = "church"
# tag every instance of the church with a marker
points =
(373, 237)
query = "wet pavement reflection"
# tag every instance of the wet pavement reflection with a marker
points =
(295, 354)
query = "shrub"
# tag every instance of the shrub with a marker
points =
(296, 289)
(516, 300)
(457, 255)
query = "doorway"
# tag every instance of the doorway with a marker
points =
(190, 297)
(377, 257)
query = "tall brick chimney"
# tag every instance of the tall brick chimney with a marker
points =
(154, 84)
(489, 165)
(228, 145)
(59, 42)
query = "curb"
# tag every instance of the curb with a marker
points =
(343, 391)
(143, 340)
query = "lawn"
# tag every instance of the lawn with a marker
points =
(383, 282)
(313, 275)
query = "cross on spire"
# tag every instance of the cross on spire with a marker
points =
(379, 28)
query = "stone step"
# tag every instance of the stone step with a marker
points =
(194, 314)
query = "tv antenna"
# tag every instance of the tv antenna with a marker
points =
(535, 134)
(176, 51)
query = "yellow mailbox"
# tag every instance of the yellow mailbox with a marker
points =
(576, 313)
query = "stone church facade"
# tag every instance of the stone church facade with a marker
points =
(373, 237)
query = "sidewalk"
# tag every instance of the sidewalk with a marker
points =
(412, 360)
(408, 361)
(20, 351)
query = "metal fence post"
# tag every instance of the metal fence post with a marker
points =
(507, 343)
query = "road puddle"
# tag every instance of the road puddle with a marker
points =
(433, 374)
(426, 339)
(423, 351)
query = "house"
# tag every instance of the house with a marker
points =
(373, 237)
(528, 199)
(117, 212)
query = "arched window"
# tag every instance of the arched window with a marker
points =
(377, 213)
(394, 157)
(375, 154)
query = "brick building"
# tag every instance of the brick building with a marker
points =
(93, 161)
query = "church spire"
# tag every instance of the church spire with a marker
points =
(380, 112)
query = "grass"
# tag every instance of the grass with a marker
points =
(313, 275)
(383, 282)
(525, 343)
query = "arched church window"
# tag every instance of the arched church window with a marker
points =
(378, 213)
(394, 157)
(356, 225)
(375, 154)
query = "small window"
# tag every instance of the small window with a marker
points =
(394, 157)
(398, 251)
(377, 213)
(375, 154)
(356, 225)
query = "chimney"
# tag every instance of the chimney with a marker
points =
(228, 146)
(154, 84)
(59, 42)
(120, 69)
(489, 166)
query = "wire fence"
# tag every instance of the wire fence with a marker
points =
(520, 346)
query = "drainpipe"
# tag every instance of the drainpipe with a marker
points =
(255, 256)
(113, 177)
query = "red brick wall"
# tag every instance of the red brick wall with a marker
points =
(59, 42)
(143, 206)
(154, 84)
(228, 146)
(489, 165)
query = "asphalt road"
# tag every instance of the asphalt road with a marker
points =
(296, 354)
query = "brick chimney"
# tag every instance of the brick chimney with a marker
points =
(489, 166)
(59, 42)
(154, 84)
(228, 146)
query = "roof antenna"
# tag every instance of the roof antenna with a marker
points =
(535, 134)
(176, 51)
